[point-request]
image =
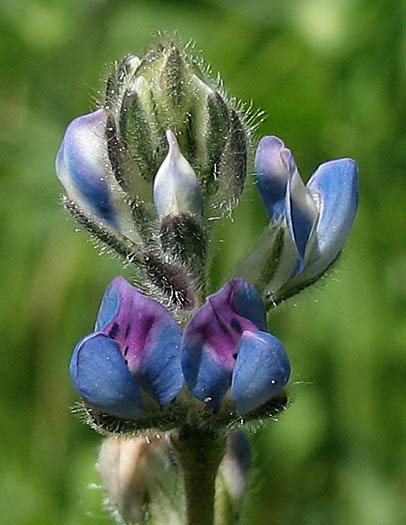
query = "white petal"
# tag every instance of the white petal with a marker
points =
(176, 188)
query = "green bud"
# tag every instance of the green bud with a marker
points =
(232, 169)
(167, 90)
(118, 82)
(136, 131)
(211, 128)
(172, 79)
(145, 173)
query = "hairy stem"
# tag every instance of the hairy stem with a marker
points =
(199, 455)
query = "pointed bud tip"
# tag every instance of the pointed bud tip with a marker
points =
(176, 187)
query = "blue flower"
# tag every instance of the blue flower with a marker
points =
(134, 350)
(316, 218)
(226, 346)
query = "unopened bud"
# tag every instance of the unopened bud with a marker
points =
(143, 174)
(236, 464)
(172, 78)
(176, 188)
(132, 470)
(84, 168)
(184, 241)
(118, 82)
(232, 168)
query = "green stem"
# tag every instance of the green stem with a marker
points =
(199, 455)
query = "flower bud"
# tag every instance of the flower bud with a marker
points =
(236, 465)
(116, 84)
(136, 130)
(84, 169)
(167, 90)
(176, 188)
(183, 239)
(232, 167)
(172, 80)
(145, 173)
(133, 471)
(211, 124)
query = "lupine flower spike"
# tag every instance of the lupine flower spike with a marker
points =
(145, 174)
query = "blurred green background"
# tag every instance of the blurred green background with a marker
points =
(331, 76)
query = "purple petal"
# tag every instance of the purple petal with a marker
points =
(262, 369)
(334, 187)
(148, 338)
(100, 375)
(273, 164)
(210, 340)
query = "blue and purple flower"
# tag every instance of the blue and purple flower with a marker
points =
(133, 355)
(226, 347)
(136, 360)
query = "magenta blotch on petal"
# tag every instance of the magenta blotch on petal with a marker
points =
(211, 339)
(147, 338)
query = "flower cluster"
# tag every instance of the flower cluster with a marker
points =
(137, 361)
(145, 174)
